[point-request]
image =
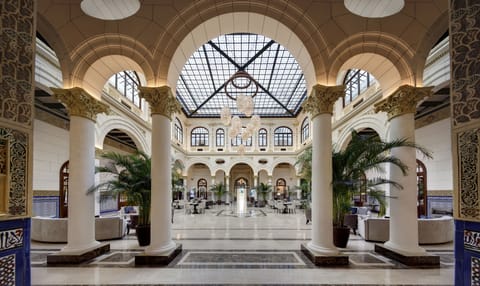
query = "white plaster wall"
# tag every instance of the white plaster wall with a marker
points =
(436, 138)
(50, 151)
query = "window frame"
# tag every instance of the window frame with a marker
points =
(282, 139)
(196, 138)
(305, 130)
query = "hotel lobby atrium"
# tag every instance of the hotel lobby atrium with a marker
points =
(198, 142)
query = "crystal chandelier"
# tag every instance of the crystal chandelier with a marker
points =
(241, 80)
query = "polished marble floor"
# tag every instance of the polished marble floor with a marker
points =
(221, 248)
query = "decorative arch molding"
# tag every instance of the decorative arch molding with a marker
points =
(375, 122)
(191, 162)
(58, 45)
(439, 27)
(246, 161)
(224, 23)
(99, 58)
(290, 161)
(393, 52)
(106, 124)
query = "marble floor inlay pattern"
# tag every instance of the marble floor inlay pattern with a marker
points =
(232, 250)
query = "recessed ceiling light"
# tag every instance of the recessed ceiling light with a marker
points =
(374, 8)
(110, 9)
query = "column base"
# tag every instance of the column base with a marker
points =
(418, 260)
(161, 259)
(324, 260)
(77, 257)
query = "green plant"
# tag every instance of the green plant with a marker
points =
(263, 190)
(361, 156)
(349, 168)
(218, 189)
(131, 177)
(177, 180)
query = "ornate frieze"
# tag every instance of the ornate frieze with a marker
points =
(17, 57)
(80, 103)
(465, 48)
(402, 101)
(17, 169)
(468, 158)
(161, 100)
(322, 98)
(11, 238)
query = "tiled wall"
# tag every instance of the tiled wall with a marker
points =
(465, 87)
(15, 252)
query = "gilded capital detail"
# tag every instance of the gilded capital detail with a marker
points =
(403, 100)
(322, 98)
(79, 102)
(161, 100)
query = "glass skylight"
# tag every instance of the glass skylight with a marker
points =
(281, 84)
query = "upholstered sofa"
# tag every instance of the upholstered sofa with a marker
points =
(430, 231)
(47, 229)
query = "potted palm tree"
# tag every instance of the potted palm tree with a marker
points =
(363, 155)
(130, 175)
(263, 190)
(218, 189)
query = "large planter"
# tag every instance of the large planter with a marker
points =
(143, 234)
(340, 236)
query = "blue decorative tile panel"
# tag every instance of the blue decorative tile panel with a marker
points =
(475, 272)
(11, 238)
(471, 240)
(7, 270)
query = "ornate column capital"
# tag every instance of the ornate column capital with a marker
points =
(403, 100)
(79, 102)
(322, 98)
(161, 100)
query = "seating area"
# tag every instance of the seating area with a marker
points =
(430, 231)
(46, 229)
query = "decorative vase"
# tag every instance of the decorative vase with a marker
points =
(340, 236)
(143, 234)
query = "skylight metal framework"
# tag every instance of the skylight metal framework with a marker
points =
(201, 85)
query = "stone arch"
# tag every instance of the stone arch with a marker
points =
(95, 61)
(372, 121)
(190, 163)
(439, 27)
(291, 161)
(58, 45)
(106, 124)
(386, 57)
(232, 163)
(241, 22)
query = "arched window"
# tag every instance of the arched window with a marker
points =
(127, 83)
(281, 190)
(220, 137)
(262, 137)
(282, 136)
(178, 130)
(63, 196)
(356, 81)
(421, 189)
(238, 139)
(202, 188)
(199, 136)
(305, 130)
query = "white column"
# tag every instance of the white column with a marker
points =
(83, 109)
(227, 189)
(322, 202)
(403, 210)
(161, 236)
(320, 105)
(163, 104)
(401, 106)
(81, 206)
